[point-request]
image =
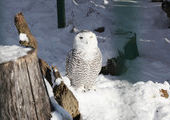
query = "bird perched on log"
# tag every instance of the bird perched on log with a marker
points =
(84, 61)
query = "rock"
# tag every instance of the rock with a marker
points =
(74, 30)
(115, 66)
(67, 100)
(90, 11)
(100, 29)
(130, 48)
(164, 93)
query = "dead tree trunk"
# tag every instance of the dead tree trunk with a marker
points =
(22, 91)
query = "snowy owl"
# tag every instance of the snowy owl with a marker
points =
(84, 61)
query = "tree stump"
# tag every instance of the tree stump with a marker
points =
(23, 94)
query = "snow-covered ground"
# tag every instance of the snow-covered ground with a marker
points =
(131, 96)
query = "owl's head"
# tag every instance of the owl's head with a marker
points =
(85, 40)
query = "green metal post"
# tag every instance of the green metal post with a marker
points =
(61, 13)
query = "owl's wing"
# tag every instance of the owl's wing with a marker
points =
(75, 64)
(68, 60)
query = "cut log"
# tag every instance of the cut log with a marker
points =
(23, 94)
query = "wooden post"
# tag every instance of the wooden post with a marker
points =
(22, 91)
(61, 13)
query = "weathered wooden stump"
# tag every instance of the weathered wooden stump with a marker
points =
(23, 94)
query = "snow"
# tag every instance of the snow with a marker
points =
(135, 95)
(23, 37)
(120, 100)
(59, 113)
(11, 53)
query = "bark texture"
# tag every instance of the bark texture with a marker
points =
(65, 97)
(67, 100)
(23, 95)
(46, 71)
(22, 27)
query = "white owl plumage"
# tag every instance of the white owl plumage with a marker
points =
(84, 61)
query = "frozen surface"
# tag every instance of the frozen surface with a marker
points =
(10, 53)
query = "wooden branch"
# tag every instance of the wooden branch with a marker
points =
(65, 97)
(56, 72)
(22, 27)
(23, 94)
(67, 100)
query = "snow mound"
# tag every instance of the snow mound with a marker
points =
(121, 100)
(10, 53)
